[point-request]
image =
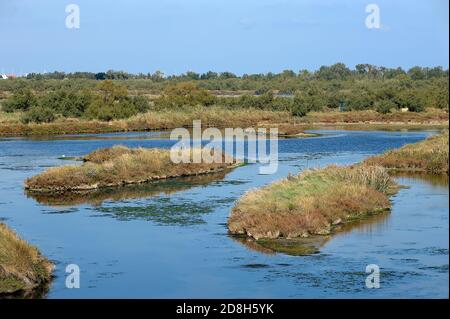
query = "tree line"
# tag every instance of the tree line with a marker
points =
(337, 71)
(367, 87)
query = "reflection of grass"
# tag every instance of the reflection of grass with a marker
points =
(430, 156)
(310, 245)
(312, 203)
(22, 268)
(290, 247)
(120, 165)
(97, 197)
(431, 179)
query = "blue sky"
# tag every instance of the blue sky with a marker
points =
(242, 36)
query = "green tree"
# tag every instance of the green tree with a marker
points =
(385, 106)
(185, 94)
(38, 114)
(21, 100)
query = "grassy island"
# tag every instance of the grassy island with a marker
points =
(313, 202)
(22, 267)
(285, 215)
(120, 165)
(430, 155)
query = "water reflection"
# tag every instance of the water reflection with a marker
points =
(39, 292)
(97, 197)
(293, 247)
(312, 245)
(431, 179)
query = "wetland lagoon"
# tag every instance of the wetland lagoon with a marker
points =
(169, 239)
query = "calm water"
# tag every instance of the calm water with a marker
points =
(170, 239)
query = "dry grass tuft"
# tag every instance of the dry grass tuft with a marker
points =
(21, 265)
(120, 165)
(106, 154)
(430, 155)
(312, 202)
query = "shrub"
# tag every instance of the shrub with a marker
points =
(184, 94)
(140, 103)
(66, 103)
(359, 101)
(385, 106)
(38, 114)
(112, 102)
(299, 107)
(22, 99)
(304, 102)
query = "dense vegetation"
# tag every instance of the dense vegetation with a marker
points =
(106, 102)
(118, 95)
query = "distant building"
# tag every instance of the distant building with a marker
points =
(7, 76)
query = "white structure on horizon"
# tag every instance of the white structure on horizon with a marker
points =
(3, 77)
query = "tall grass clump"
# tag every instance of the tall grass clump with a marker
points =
(430, 155)
(22, 267)
(120, 165)
(313, 202)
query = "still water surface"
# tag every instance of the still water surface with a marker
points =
(170, 239)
